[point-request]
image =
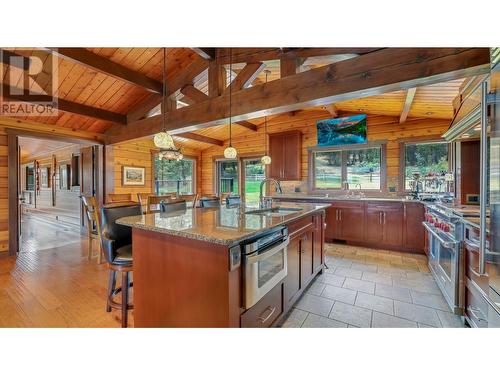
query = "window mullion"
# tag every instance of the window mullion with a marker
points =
(344, 168)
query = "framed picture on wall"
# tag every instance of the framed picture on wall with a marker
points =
(133, 176)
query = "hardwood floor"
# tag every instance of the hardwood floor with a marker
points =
(56, 287)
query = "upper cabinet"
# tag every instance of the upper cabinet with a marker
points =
(285, 150)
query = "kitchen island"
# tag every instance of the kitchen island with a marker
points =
(191, 269)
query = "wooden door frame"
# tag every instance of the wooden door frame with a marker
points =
(13, 175)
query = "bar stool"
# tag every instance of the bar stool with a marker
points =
(127, 197)
(156, 200)
(91, 209)
(173, 205)
(143, 200)
(209, 202)
(116, 243)
(189, 198)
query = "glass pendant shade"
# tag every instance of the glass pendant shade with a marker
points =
(266, 160)
(230, 153)
(163, 140)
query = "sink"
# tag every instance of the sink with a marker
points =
(274, 211)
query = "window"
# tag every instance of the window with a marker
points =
(360, 167)
(174, 176)
(426, 159)
(227, 176)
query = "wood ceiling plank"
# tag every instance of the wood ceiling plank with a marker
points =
(385, 70)
(97, 62)
(206, 53)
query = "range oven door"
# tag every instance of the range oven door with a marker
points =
(264, 269)
(445, 263)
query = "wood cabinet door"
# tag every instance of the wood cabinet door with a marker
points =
(393, 226)
(292, 281)
(414, 232)
(352, 222)
(318, 242)
(292, 143)
(306, 257)
(276, 152)
(331, 223)
(373, 225)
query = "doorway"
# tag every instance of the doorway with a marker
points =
(47, 176)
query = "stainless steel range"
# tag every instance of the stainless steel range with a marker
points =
(446, 257)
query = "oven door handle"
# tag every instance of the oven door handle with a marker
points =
(447, 244)
(268, 253)
(473, 245)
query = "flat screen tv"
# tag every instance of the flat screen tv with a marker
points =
(342, 131)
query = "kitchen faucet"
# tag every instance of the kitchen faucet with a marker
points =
(262, 200)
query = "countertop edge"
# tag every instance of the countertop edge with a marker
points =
(205, 238)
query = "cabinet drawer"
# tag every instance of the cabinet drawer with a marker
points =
(476, 308)
(472, 266)
(264, 313)
(298, 226)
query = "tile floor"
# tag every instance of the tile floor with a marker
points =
(372, 288)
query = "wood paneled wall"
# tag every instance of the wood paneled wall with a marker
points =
(138, 154)
(4, 192)
(380, 128)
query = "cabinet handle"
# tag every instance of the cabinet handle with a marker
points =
(340, 215)
(474, 314)
(380, 217)
(271, 312)
(336, 215)
(384, 217)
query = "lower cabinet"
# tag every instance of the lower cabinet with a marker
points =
(305, 256)
(395, 225)
(265, 312)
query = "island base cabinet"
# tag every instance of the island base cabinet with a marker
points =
(305, 256)
(265, 312)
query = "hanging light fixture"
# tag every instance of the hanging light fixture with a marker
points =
(163, 140)
(230, 152)
(266, 159)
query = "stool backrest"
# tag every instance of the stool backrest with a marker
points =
(233, 200)
(209, 202)
(156, 200)
(91, 209)
(173, 205)
(143, 200)
(189, 198)
(120, 197)
(113, 235)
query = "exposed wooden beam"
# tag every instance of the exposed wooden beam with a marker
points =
(288, 66)
(93, 61)
(216, 79)
(64, 105)
(248, 55)
(206, 53)
(52, 131)
(200, 138)
(382, 71)
(193, 93)
(246, 76)
(410, 94)
(248, 125)
(186, 76)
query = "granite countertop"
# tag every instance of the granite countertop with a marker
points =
(222, 225)
(329, 198)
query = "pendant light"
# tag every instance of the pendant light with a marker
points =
(163, 140)
(266, 159)
(230, 152)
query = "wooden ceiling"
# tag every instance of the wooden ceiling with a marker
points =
(120, 80)
(33, 147)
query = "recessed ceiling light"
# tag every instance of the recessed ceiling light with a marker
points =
(465, 135)
(477, 128)
(429, 113)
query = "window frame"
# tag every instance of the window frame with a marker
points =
(344, 149)
(194, 159)
(414, 141)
